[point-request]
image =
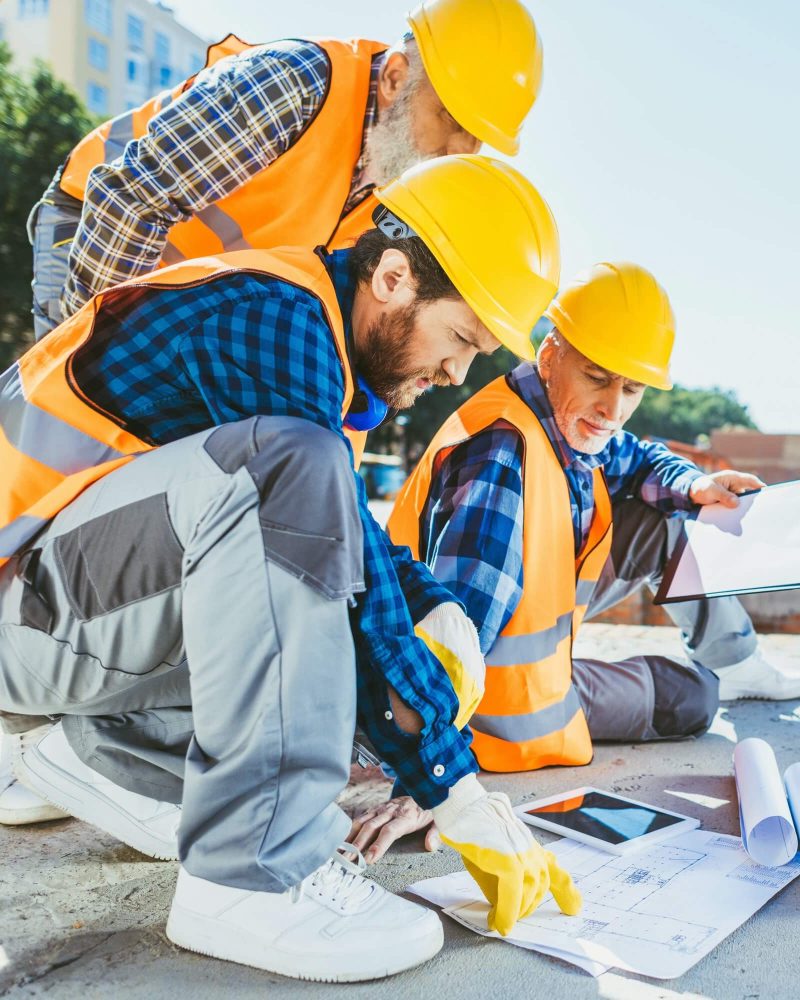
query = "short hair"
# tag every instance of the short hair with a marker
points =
(430, 280)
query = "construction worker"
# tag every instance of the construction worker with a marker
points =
(329, 118)
(186, 175)
(512, 507)
(192, 578)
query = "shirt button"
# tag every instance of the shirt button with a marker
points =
(388, 715)
(438, 770)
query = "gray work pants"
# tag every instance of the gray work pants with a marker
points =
(198, 598)
(650, 697)
(52, 224)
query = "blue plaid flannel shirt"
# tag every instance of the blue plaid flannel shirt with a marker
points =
(189, 359)
(472, 524)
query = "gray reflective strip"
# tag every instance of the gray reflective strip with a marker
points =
(510, 650)
(520, 728)
(171, 254)
(119, 135)
(584, 591)
(164, 100)
(43, 437)
(14, 535)
(228, 231)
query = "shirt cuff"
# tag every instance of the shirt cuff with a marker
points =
(680, 489)
(432, 769)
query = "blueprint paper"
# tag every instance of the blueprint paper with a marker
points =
(768, 832)
(451, 891)
(656, 912)
(753, 547)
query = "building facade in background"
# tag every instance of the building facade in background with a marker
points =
(114, 53)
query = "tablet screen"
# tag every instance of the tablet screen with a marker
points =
(605, 817)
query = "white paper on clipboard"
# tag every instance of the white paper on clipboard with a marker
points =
(751, 548)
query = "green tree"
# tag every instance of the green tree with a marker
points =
(40, 121)
(685, 414)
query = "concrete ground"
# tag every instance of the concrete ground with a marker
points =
(82, 916)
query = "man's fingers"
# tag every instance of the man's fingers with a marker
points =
(433, 842)
(403, 824)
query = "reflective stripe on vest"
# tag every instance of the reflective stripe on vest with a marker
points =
(54, 442)
(530, 715)
(297, 200)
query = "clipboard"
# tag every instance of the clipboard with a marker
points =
(747, 550)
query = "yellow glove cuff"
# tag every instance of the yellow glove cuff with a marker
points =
(464, 684)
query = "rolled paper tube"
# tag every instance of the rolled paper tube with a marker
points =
(791, 779)
(768, 833)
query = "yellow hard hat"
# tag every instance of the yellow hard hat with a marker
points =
(484, 59)
(619, 317)
(491, 231)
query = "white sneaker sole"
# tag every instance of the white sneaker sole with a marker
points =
(212, 937)
(45, 813)
(80, 800)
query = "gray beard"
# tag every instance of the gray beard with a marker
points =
(389, 148)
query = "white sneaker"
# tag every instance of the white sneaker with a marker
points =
(19, 805)
(51, 768)
(756, 677)
(335, 926)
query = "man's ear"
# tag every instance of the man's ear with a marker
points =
(392, 79)
(391, 279)
(544, 356)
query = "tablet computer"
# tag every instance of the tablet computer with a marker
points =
(611, 822)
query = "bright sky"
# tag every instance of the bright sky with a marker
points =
(666, 133)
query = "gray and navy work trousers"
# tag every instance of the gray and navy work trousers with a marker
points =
(648, 697)
(189, 616)
(52, 225)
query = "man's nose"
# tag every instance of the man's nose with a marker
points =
(456, 369)
(611, 403)
(463, 142)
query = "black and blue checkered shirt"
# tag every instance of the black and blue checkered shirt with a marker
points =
(188, 359)
(472, 524)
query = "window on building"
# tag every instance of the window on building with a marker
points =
(97, 98)
(163, 69)
(98, 15)
(32, 8)
(98, 54)
(135, 32)
(162, 49)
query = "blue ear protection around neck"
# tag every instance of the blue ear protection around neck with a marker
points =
(366, 411)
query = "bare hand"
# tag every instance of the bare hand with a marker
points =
(374, 831)
(723, 487)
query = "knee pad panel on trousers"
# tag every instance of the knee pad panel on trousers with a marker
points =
(686, 697)
(308, 508)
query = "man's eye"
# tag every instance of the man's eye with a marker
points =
(596, 379)
(631, 390)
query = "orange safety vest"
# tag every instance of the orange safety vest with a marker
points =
(297, 200)
(530, 715)
(54, 441)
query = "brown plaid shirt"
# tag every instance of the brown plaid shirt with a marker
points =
(236, 119)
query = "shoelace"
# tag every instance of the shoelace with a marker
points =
(340, 880)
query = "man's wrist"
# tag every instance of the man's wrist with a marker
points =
(462, 794)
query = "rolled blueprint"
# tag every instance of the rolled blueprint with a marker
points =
(791, 779)
(768, 833)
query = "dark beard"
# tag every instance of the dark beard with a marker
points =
(383, 359)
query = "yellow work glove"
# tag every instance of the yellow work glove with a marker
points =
(512, 869)
(451, 637)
